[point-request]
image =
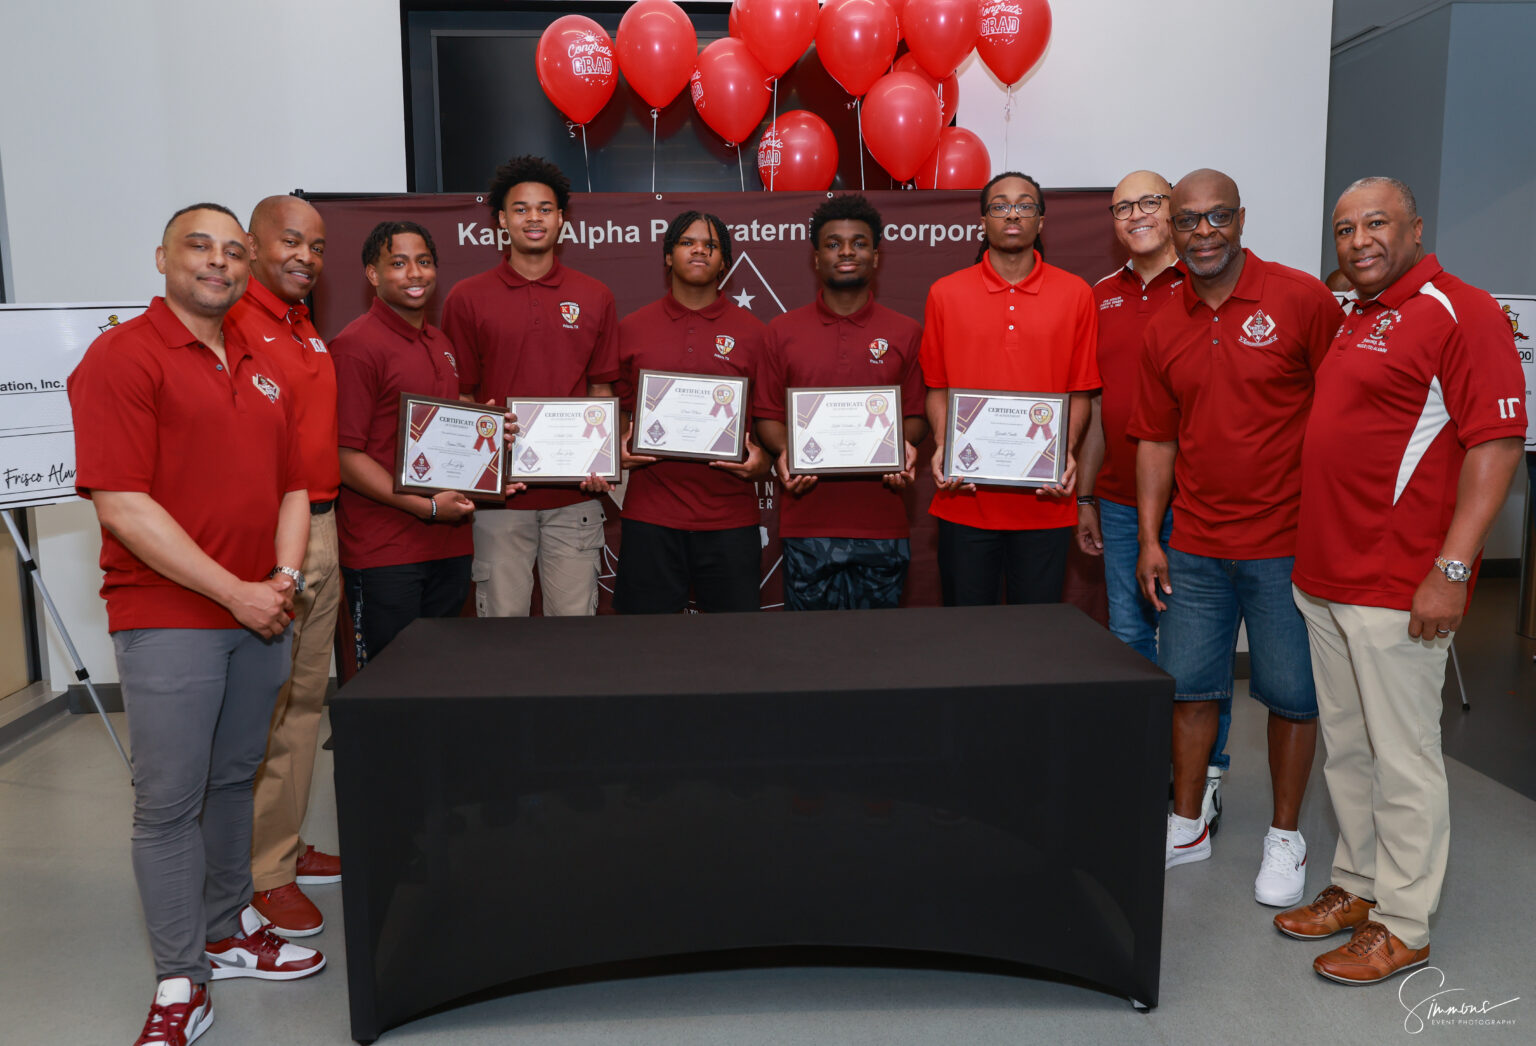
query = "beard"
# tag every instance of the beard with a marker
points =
(1216, 266)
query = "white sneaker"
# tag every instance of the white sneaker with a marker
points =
(179, 1014)
(1186, 844)
(1283, 873)
(1210, 804)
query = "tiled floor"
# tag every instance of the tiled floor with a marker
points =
(77, 968)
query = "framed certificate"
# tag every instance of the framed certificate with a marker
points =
(564, 440)
(1006, 439)
(845, 431)
(449, 445)
(691, 416)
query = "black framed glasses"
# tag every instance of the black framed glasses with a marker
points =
(1024, 209)
(1148, 204)
(1189, 221)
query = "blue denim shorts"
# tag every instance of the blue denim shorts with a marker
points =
(1198, 632)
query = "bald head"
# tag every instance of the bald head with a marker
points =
(287, 247)
(1210, 242)
(1140, 183)
(1140, 206)
(1206, 182)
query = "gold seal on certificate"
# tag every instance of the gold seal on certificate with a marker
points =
(845, 431)
(449, 445)
(1008, 439)
(564, 440)
(690, 416)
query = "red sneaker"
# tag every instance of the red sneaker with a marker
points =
(180, 1013)
(317, 868)
(256, 951)
(288, 911)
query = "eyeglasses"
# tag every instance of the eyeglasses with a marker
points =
(1024, 209)
(1189, 221)
(1148, 204)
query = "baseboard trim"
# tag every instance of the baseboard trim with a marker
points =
(24, 712)
(80, 699)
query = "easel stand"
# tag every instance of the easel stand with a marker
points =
(53, 612)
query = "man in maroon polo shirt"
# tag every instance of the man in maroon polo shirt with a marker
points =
(185, 443)
(844, 539)
(1413, 442)
(287, 238)
(404, 556)
(690, 524)
(1226, 385)
(533, 327)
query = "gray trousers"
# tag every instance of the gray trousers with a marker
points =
(198, 703)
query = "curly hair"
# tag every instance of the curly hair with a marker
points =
(850, 207)
(383, 235)
(522, 169)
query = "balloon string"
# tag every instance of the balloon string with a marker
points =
(654, 114)
(938, 158)
(858, 109)
(585, 159)
(740, 170)
(1007, 120)
(772, 168)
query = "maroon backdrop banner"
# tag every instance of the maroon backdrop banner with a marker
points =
(617, 238)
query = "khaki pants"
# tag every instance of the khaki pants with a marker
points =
(1378, 697)
(282, 783)
(566, 543)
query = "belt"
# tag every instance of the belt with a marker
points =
(320, 508)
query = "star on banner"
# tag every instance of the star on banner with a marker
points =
(744, 299)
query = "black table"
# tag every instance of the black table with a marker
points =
(522, 796)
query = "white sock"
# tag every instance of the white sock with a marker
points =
(1281, 833)
(1187, 825)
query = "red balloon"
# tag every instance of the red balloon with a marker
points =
(950, 99)
(730, 89)
(575, 66)
(777, 31)
(856, 40)
(960, 161)
(901, 122)
(940, 33)
(1012, 35)
(798, 153)
(733, 22)
(657, 47)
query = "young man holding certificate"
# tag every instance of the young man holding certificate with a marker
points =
(1009, 323)
(844, 538)
(1226, 386)
(690, 523)
(403, 556)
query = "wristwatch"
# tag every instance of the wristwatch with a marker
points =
(1453, 569)
(298, 578)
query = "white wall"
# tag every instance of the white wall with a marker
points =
(116, 114)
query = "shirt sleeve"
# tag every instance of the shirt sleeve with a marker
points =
(1084, 370)
(112, 398)
(932, 345)
(768, 390)
(295, 473)
(1323, 322)
(624, 382)
(913, 394)
(603, 367)
(459, 324)
(357, 392)
(1155, 414)
(1480, 374)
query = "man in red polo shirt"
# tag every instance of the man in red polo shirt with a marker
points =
(533, 327)
(185, 443)
(844, 540)
(1011, 323)
(287, 238)
(403, 556)
(1415, 436)
(1226, 384)
(690, 523)
(1106, 500)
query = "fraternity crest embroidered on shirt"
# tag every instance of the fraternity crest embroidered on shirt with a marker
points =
(1376, 339)
(266, 386)
(570, 312)
(724, 343)
(1509, 314)
(1260, 330)
(879, 347)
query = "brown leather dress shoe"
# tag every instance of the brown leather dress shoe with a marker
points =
(1333, 910)
(1372, 955)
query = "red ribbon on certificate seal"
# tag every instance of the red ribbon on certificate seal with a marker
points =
(877, 407)
(723, 395)
(595, 416)
(1041, 414)
(485, 432)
